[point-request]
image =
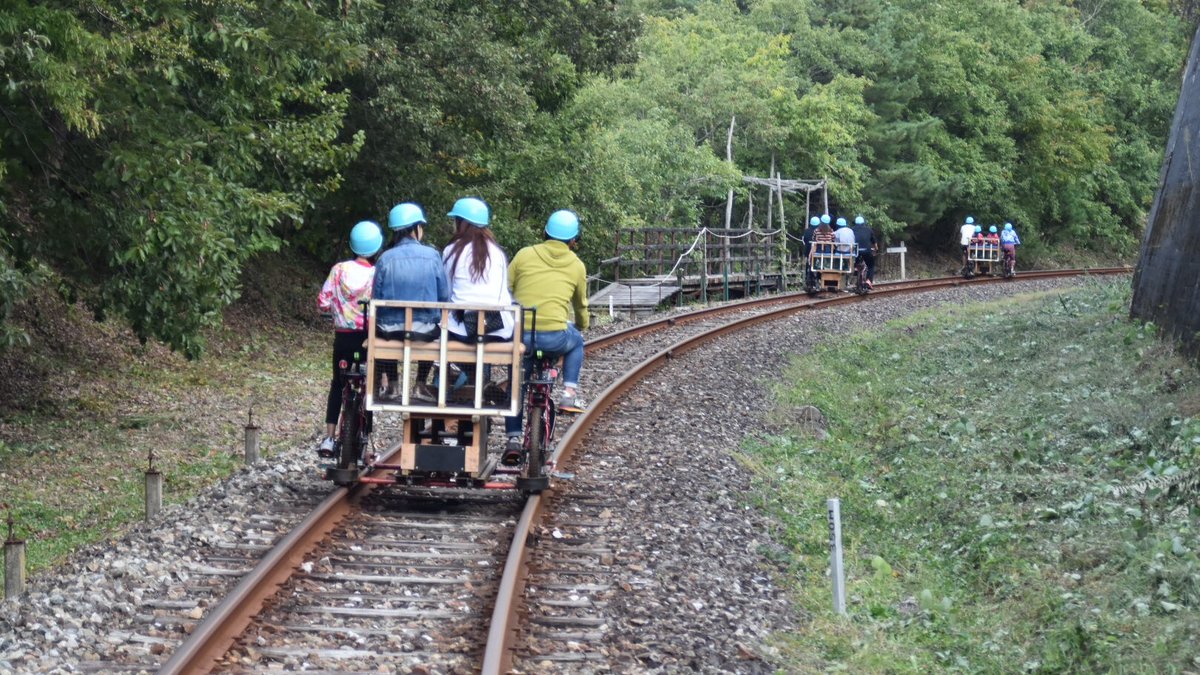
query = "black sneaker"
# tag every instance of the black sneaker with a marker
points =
(512, 451)
(494, 395)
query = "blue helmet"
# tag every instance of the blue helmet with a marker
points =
(841, 222)
(825, 218)
(366, 238)
(405, 215)
(992, 229)
(473, 210)
(970, 220)
(1008, 226)
(562, 225)
(814, 221)
(978, 229)
(859, 220)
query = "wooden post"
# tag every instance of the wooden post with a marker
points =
(251, 440)
(14, 562)
(771, 195)
(901, 249)
(807, 207)
(782, 238)
(617, 264)
(728, 210)
(154, 484)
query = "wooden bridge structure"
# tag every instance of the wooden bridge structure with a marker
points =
(666, 265)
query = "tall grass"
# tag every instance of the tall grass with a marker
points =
(977, 455)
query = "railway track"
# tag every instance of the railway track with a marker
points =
(376, 579)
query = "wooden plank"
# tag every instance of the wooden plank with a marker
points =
(624, 295)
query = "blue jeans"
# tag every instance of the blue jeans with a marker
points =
(565, 343)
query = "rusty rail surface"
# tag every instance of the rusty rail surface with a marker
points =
(215, 634)
(502, 630)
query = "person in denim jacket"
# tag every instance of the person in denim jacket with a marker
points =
(409, 270)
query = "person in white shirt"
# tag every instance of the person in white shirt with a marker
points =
(967, 231)
(478, 272)
(844, 236)
(477, 269)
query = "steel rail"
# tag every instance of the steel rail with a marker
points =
(213, 636)
(502, 630)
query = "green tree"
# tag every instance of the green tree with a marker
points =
(454, 88)
(154, 147)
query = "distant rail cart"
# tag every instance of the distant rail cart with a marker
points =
(983, 257)
(836, 267)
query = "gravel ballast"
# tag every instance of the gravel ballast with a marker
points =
(701, 598)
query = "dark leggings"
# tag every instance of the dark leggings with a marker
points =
(868, 257)
(345, 345)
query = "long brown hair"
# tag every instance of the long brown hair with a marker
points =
(479, 238)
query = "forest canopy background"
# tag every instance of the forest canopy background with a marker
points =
(149, 150)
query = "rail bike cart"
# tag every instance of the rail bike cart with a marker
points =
(983, 257)
(442, 389)
(832, 266)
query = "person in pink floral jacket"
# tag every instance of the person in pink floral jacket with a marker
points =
(348, 285)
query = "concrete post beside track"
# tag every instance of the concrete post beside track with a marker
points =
(251, 441)
(14, 560)
(14, 568)
(835, 550)
(154, 487)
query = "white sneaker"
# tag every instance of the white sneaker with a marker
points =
(571, 403)
(326, 448)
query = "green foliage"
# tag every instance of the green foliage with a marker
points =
(450, 97)
(152, 148)
(1035, 552)
(155, 147)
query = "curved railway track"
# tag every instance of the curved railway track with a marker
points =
(373, 579)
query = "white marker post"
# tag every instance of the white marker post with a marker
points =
(835, 548)
(901, 250)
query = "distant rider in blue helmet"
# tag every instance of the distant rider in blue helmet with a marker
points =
(1009, 241)
(806, 241)
(348, 285)
(550, 277)
(867, 247)
(967, 231)
(844, 237)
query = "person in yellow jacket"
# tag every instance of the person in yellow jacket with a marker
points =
(550, 277)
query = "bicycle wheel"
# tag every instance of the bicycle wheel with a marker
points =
(350, 440)
(537, 445)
